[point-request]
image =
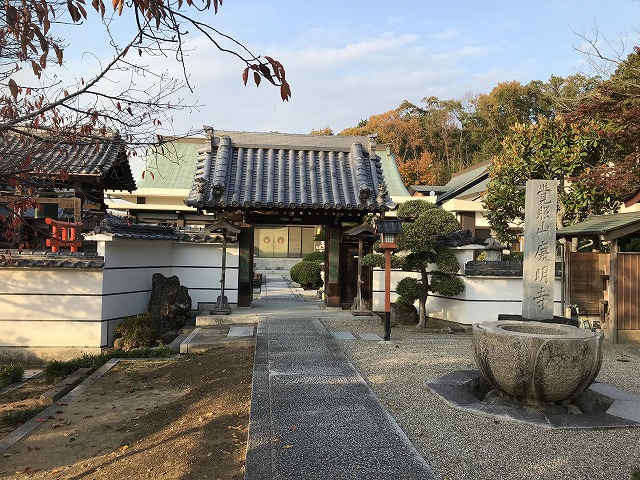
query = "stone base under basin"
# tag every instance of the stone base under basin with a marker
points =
(600, 406)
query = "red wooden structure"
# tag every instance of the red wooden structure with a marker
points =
(63, 234)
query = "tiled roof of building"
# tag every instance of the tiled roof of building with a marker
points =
(43, 259)
(427, 189)
(138, 231)
(249, 171)
(364, 229)
(173, 164)
(610, 226)
(395, 185)
(120, 228)
(101, 160)
(470, 182)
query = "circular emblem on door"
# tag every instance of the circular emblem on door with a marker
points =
(280, 240)
(266, 239)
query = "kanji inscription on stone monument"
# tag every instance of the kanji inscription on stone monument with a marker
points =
(541, 198)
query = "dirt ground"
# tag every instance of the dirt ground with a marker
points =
(171, 419)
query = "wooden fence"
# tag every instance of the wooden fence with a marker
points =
(628, 291)
(588, 278)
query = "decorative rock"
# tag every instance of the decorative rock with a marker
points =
(170, 302)
(537, 363)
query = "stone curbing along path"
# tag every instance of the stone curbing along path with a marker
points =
(313, 416)
(27, 427)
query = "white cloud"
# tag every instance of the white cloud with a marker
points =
(343, 68)
(334, 86)
(447, 34)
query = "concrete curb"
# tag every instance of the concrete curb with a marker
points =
(65, 386)
(26, 428)
(184, 346)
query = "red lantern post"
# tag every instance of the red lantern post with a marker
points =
(388, 231)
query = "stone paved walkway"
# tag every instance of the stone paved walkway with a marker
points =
(312, 414)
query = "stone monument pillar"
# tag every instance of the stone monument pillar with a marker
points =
(538, 278)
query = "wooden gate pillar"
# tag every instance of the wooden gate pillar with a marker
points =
(245, 273)
(332, 269)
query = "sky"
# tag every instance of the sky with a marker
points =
(347, 59)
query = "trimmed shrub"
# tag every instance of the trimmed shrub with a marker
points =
(10, 373)
(317, 257)
(138, 331)
(515, 257)
(408, 290)
(307, 274)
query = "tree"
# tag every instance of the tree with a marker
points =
(593, 149)
(421, 171)
(420, 139)
(395, 128)
(418, 251)
(549, 149)
(614, 106)
(323, 131)
(565, 94)
(123, 95)
(157, 28)
(494, 113)
(445, 136)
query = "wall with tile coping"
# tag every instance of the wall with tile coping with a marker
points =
(61, 313)
(483, 298)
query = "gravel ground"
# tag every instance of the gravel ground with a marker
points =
(463, 446)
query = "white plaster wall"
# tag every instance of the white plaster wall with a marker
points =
(199, 268)
(42, 333)
(54, 281)
(481, 301)
(130, 265)
(54, 307)
(204, 284)
(49, 294)
(128, 271)
(80, 308)
(484, 298)
(198, 255)
(378, 286)
(134, 253)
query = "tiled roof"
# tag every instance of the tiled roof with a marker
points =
(469, 182)
(43, 259)
(269, 171)
(364, 229)
(392, 225)
(138, 231)
(173, 164)
(427, 189)
(611, 226)
(466, 175)
(119, 228)
(392, 177)
(466, 184)
(98, 160)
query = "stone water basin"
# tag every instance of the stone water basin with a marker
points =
(537, 363)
